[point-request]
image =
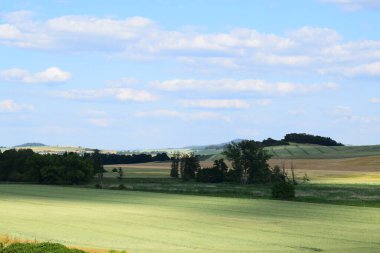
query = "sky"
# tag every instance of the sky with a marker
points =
(133, 74)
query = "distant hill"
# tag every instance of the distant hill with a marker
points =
(300, 138)
(213, 146)
(30, 144)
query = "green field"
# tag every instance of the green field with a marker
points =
(156, 222)
(308, 151)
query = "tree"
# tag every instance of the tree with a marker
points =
(221, 166)
(249, 162)
(120, 174)
(188, 165)
(175, 165)
(98, 167)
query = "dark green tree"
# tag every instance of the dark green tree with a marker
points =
(221, 165)
(249, 162)
(189, 164)
(175, 165)
(120, 174)
(98, 166)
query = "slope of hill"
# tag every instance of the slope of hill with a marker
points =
(308, 151)
(30, 144)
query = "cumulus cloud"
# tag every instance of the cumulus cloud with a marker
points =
(246, 85)
(11, 107)
(9, 32)
(375, 100)
(216, 103)
(354, 5)
(371, 69)
(138, 38)
(49, 75)
(364, 70)
(122, 94)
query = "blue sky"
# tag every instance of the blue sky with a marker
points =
(165, 73)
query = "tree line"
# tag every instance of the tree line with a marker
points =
(249, 165)
(26, 166)
(107, 159)
(301, 138)
(311, 139)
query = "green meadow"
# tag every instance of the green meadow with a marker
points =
(157, 222)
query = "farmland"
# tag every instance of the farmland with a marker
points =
(156, 222)
(307, 151)
(336, 211)
(365, 170)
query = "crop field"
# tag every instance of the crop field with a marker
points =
(142, 170)
(358, 170)
(156, 222)
(308, 151)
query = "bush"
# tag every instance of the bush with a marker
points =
(122, 187)
(210, 175)
(283, 190)
(39, 248)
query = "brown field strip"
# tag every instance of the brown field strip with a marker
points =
(360, 164)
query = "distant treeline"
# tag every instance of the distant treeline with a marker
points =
(293, 137)
(106, 159)
(26, 166)
(311, 139)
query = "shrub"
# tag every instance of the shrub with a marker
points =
(210, 175)
(283, 190)
(122, 187)
(39, 248)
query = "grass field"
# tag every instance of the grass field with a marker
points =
(348, 181)
(308, 151)
(155, 222)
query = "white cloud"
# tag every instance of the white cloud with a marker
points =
(183, 115)
(9, 32)
(217, 103)
(365, 70)
(371, 69)
(12, 107)
(50, 75)
(103, 27)
(375, 100)
(354, 5)
(100, 122)
(314, 36)
(122, 94)
(246, 85)
(307, 49)
(345, 113)
(97, 118)
(342, 111)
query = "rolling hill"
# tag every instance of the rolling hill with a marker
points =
(308, 151)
